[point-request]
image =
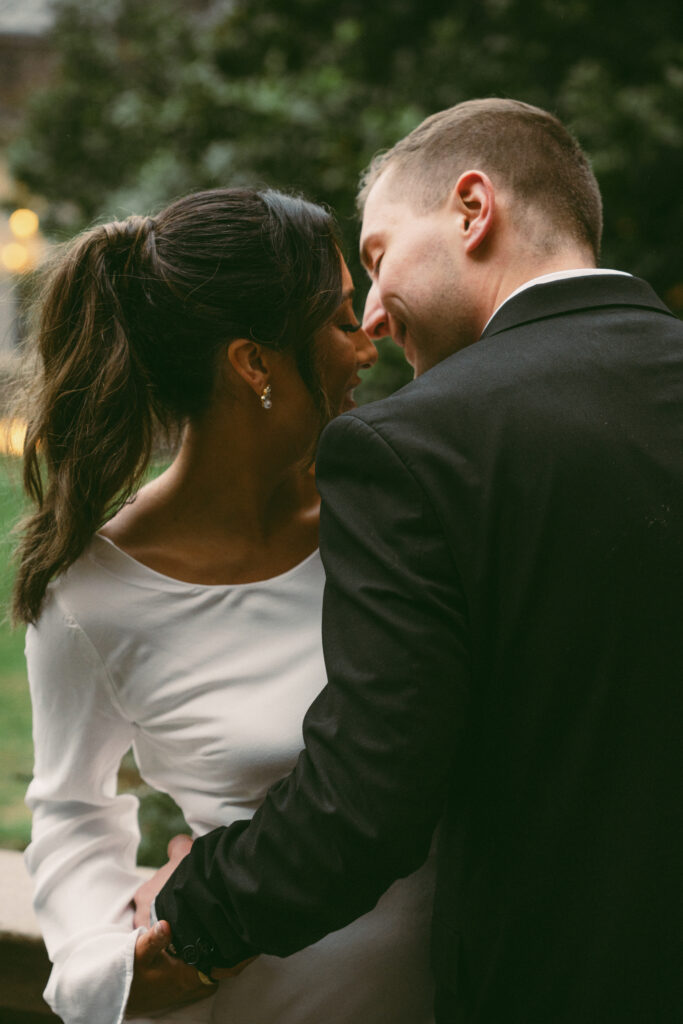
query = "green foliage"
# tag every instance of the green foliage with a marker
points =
(16, 758)
(16, 752)
(159, 816)
(11, 507)
(155, 99)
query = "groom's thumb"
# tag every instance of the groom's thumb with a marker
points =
(153, 942)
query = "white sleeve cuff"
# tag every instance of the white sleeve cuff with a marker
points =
(91, 982)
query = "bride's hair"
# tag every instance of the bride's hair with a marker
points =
(129, 326)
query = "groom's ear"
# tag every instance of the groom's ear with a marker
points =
(473, 201)
(250, 361)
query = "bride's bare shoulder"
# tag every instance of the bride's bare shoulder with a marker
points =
(138, 523)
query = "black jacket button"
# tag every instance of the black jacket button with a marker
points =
(189, 955)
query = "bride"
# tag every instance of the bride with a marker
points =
(182, 615)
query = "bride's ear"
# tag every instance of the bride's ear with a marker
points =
(250, 361)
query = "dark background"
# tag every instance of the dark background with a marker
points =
(150, 100)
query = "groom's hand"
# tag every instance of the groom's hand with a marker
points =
(161, 981)
(178, 848)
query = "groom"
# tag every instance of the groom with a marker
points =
(502, 622)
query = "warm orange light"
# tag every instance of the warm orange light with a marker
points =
(23, 223)
(15, 257)
(674, 296)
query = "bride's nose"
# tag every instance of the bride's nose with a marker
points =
(366, 353)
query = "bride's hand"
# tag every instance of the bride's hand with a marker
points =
(161, 981)
(177, 848)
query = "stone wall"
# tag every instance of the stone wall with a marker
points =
(24, 966)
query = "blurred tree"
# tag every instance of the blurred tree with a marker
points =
(151, 100)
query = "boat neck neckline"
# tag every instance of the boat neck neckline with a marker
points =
(144, 573)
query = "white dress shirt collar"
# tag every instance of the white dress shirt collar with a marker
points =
(557, 275)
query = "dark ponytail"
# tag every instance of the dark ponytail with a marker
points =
(131, 321)
(92, 421)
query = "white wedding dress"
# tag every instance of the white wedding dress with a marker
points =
(210, 685)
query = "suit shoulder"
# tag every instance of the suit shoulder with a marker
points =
(451, 385)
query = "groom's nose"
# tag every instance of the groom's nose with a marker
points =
(375, 319)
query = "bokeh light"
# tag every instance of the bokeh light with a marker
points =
(15, 257)
(12, 436)
(23, 223)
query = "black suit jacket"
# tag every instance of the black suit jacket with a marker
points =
(502, 630)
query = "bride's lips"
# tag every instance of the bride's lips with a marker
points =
(349, 402)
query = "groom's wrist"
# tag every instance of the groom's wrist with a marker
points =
(199, 954)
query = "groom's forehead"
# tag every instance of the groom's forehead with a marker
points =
(383, 191)
(384, 207)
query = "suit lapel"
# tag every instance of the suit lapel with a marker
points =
(571, 295)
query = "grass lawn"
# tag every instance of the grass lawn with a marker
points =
(16, 753)
(159, 816)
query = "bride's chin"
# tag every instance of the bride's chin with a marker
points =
(348, 403)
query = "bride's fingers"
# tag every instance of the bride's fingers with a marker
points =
(151, 943)
(141, 915)
(178, 847)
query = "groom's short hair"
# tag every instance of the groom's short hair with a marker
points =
(521, 148)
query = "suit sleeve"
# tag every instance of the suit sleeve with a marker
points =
(359, 809)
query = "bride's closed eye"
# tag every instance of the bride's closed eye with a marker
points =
(349, 328)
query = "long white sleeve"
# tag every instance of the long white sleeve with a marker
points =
(85, 837)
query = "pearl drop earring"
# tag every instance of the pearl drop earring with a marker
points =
(266, 400)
